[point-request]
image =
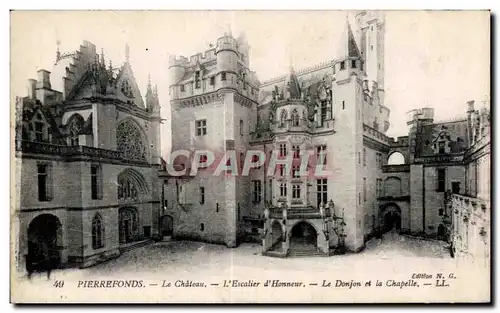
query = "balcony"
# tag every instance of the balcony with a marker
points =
(71, 152)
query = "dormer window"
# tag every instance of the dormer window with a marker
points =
(39, 131)
(342, 65)
(441, 147)
(353, 63)
(212, 80)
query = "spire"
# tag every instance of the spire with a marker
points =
(127, 53)
(149, 83)
(347, 46)
(293, 84)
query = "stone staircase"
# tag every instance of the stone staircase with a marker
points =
(304, 252)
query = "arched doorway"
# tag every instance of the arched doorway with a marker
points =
(276, 236)
(391, 214)
(303, 235)
(44, 242)
(167, 225)
(128, 224)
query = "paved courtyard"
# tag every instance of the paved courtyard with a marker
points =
(193, 258)
(185, 264)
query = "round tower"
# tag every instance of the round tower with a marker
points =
(176, 70)
(227, 58)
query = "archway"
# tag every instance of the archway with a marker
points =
(167, 225)
(128, 224)
(396, 158)
(44, 240)
(303, 235)
(391, 217)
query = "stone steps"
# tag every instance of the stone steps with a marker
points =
(135, 245)
(304, 252)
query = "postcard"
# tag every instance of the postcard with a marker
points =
(250, 157)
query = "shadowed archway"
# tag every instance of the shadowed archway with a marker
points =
(44, 242)
(391, 215)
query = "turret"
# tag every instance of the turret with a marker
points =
(244, 49)
(423, 115)
(370, 30)
(227, 56)
(177, 70)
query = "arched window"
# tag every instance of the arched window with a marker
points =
(97, 232)
(396, 158)
(75, 126)
(295, 118)
(283, 118)
(130, 142)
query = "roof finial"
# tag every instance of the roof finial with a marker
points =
(127, 53)
(58, 53)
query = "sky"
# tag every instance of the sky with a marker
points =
(438, 59)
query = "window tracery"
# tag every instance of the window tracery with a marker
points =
(129, 141)
(127, 190)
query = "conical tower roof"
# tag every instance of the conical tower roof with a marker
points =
(293, 84)
(347, 46)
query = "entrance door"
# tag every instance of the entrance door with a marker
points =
(128, 225)
(44, 239)
(167, 225)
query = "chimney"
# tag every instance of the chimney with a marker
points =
(32, 88)
(43, 80)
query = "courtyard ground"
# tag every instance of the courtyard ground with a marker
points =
(393, 257)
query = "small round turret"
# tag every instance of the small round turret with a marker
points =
(176, 69)
(227, 58)
(425, 115)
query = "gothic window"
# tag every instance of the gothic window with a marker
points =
(130, 141)
(126, 89)
(97, 232)
(223, 76)
(283, 118)
(295, 118)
